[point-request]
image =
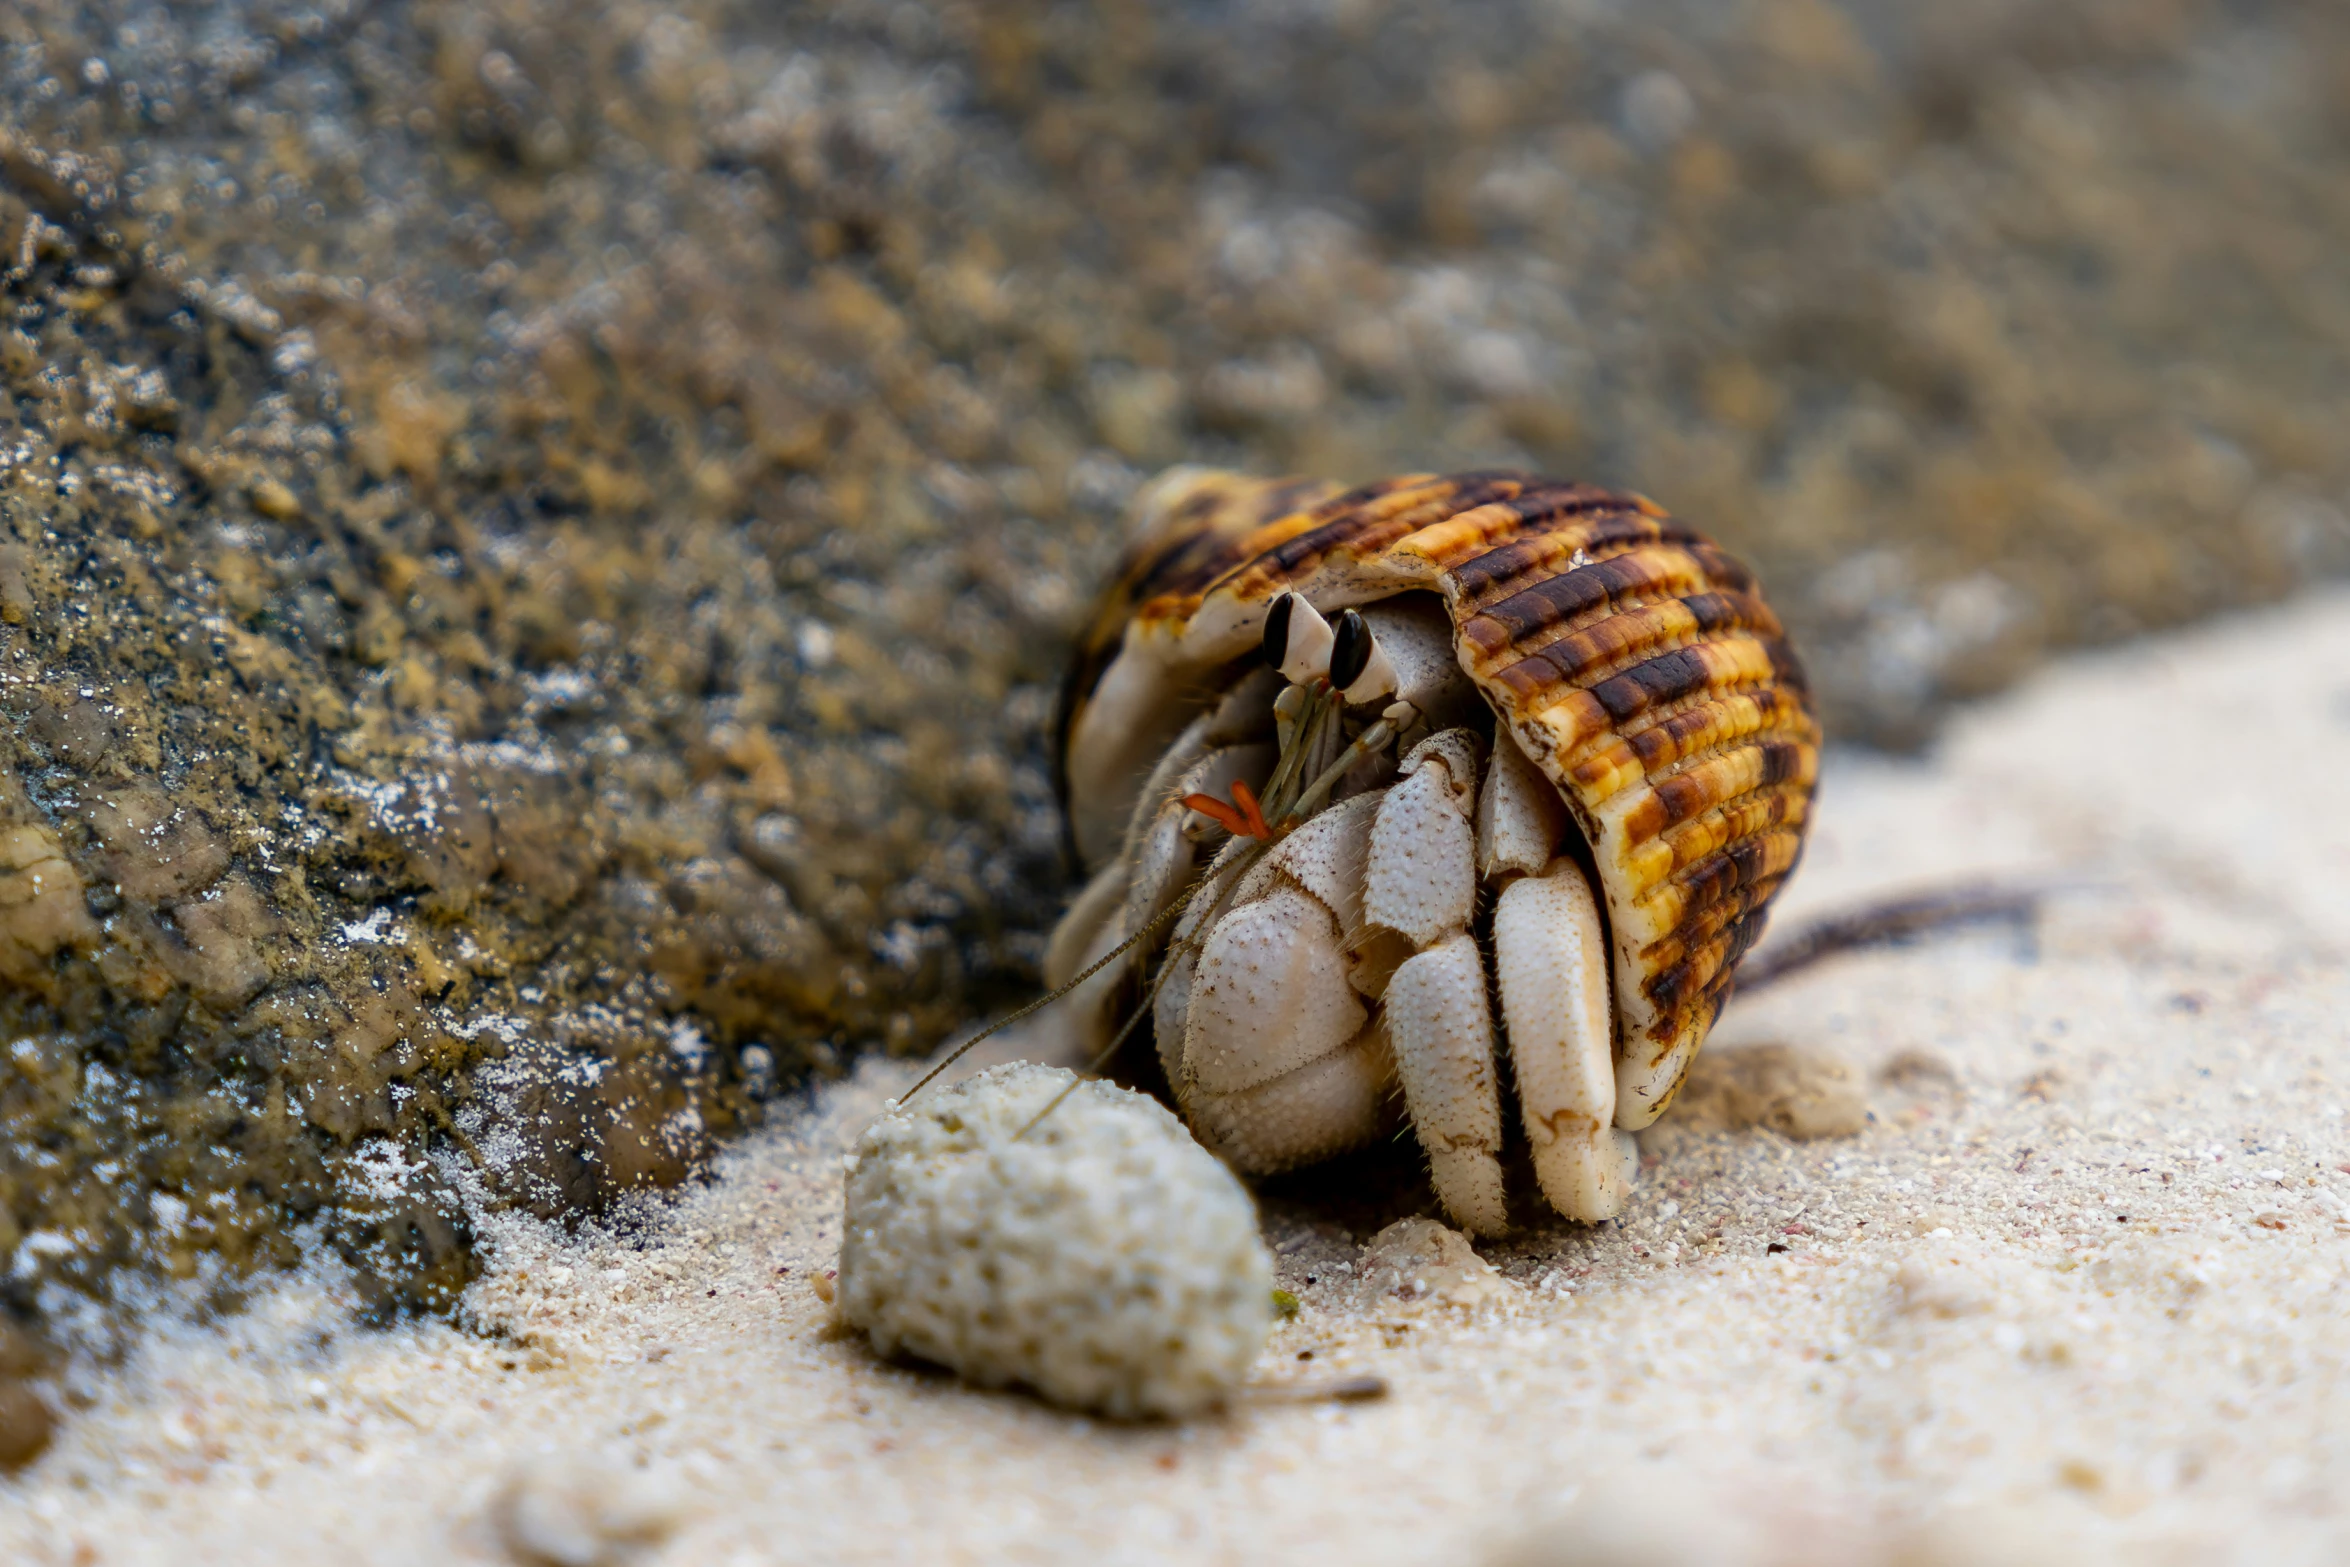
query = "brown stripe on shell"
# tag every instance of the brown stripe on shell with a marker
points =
(1553, 544)
(1195, 537)
(1509, 535)
(1682, 673)
(1554, 606)
(1725, 824)
(1697, 975)
(1703, 962)
(1364, 530)
(1719, 779)
(1273, 555)
(1742, 814)
(1630, 660)
(1690, 731)
(1721, 874)
(1196, 557)
(1734, 913)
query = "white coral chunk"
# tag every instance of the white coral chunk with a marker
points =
(1104, 1259)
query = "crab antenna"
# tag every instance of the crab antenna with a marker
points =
(1182, 900)
(1041, 1002)
(1093, 1068)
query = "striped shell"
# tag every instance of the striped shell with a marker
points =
(1630, 658)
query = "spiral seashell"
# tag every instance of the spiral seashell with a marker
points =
(1630, 658)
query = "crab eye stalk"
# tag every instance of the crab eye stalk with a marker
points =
(1350, 649)
(1297, 639)
(1277, 630)
(1359, 667)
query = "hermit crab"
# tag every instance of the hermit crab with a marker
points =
(1371, 780)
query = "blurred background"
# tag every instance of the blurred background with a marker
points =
(657, 454)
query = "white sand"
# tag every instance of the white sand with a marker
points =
(2087, 1269)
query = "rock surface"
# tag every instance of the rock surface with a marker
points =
(535, 539)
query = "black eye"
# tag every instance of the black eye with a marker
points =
(1350, 650)
(1277, 630)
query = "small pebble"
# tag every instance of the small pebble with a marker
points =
(1420, 1259)
(1103, 1259)
(583, 1510)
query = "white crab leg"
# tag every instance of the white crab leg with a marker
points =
(1169, 1008)
(1421, 877)
(1551, 961)
(1172, 1005)
(1159, 861)
(1420, 881)
(1520, 818)
(1130, 732)
(1443, 1036)
(1323, 1108)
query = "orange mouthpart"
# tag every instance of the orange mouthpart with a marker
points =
(1242, 818)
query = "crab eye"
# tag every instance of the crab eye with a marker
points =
(1350, 649)
(1277, 630)
(1359, 667)
(1297, 639)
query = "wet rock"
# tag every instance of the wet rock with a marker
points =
(403, 1229)
(26, 1424)
(352, 730)
(27, 1419)
(41, 908)
(563, 1125)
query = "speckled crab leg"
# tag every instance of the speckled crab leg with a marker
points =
(1420, 881)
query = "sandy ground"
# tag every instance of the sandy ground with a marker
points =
(2082, 1279)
